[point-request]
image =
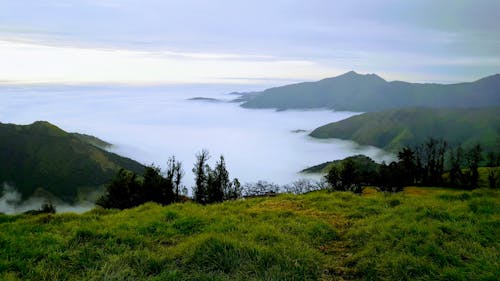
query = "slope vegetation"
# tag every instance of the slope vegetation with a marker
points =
(355, 92)
(42, 156)
(360, 160)
(423, 234)
(394, 129)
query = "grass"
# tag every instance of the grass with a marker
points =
(422, 234)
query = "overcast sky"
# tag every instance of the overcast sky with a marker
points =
(257, 41)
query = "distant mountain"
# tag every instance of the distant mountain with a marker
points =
(42, 156)
(205, 99)
(394, 129)
(355, 92)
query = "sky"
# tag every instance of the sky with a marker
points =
(246, 42)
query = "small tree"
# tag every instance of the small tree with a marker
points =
(234, 191)
(493, 161)
(155, 188)
(201, 173)
(432, 157)
(334, 179)
(473, 158)
(122, 192)
(174, 176)
(219, 183)
(456, 177)
(408, 163)
(48, 208)
(347, 177)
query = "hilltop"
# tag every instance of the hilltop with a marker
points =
(360, 160)
(42, 156)
(394, 129)
(356, 92)
(421, 234)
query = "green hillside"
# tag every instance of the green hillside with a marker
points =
(394, 129)
(362, 161)
(422, 234)
(355, 92)
(42, 156)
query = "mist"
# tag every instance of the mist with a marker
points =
(11, 203)
(149, 124)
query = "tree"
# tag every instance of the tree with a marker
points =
(419, 165)
(430, 161)
(347, 177)
(334, 179)
(174, 176)
(456, 177)
(473, 158)
(48, 208)
(407, 162)
(201, 173)
(155, 187)
(234, 191)
(493, 161)
(213, 185)
(126, 191)
(391, 178)
(218, 184)
(122, 192)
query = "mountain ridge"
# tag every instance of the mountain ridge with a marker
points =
(41, 155)
(369, 92)
(396, 128)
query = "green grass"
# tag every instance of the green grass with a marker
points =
(422, 234)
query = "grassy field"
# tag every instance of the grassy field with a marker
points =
(421, 234)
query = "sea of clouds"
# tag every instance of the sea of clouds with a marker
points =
(149, 124)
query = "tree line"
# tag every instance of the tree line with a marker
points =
(432, 163)
(429, 164)
(127, 189)
(212, 184)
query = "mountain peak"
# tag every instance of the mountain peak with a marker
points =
(491, 78)
(352, 72)
(46, 128)
(353, 75)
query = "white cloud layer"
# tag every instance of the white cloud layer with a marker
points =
(36, 63)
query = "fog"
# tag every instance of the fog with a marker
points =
(12, 203)
(149, 124)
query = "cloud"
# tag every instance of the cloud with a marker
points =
(11, 203)
(197, 41)
(37, 63)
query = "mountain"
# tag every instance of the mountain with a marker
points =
(93, 140)
(394, 129)
(42, 156)
(364, 163)
(356, 92)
